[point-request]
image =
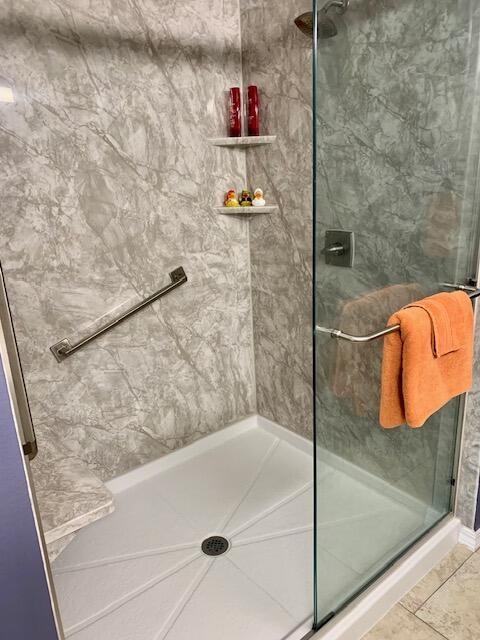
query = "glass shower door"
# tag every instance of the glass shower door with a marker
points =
(395, 172)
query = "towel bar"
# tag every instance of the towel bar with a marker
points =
(340, 335)
(64, 348)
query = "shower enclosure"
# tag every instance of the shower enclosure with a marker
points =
(395, 220)
(210, 459)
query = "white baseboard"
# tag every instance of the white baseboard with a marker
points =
(469, 538)
(370, 607)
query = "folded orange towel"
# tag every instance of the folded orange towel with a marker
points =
(429, 361)
(356, 368)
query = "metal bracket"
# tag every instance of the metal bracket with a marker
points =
(60, 348)
(339, 247)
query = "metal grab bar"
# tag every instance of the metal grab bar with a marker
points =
(64, 348)
(340, 335)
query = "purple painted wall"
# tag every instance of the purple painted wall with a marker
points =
(25, 608)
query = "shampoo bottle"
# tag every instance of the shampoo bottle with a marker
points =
(235, 113)
(253, 111)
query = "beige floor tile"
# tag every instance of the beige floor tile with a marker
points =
(434, 580)
(454, 610)
(400, 624)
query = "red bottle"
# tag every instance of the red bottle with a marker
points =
(253, 111)
(235, 113)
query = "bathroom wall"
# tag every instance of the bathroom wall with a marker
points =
(278, 58)
(108, 184)
(468, 496)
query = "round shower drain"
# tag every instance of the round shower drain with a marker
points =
(215, 546)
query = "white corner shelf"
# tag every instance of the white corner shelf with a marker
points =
(244, 141)
(241, 211)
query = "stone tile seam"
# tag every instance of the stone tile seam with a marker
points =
(414, 615)
(440, 587)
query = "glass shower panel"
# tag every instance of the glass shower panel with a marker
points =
(396, 167)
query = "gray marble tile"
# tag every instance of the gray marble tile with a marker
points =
(69, 495)
(110, 183)
(453, 610)
(278, 58)
(435, 578)
(400, 624)
(469, 465)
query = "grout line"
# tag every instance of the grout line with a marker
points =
(248, 226)
(440, 586)
(252, 313)
(125, 558)
(281, 503)
(184, 600)
(415, 616)
(113, 606)
(434, 630)
(271, 450)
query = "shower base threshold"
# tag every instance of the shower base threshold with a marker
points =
(370, 606)
(215, 541)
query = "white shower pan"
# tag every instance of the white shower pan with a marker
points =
(141, 574)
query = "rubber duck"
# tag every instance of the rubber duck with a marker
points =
(231, 199)
(258, 199)
(245, 199)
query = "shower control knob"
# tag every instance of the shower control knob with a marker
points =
(336, 248)
(339, 247)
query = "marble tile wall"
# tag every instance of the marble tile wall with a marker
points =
(467, 508)
(278, 58)
(469, 464)
(108, 184)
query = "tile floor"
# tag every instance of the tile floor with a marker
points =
(444, 605)
(140, 572)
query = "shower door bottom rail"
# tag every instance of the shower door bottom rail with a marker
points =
(63, 349)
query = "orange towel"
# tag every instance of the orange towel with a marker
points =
(429, 361)
(356, 368)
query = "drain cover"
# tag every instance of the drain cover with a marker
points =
(215, 546)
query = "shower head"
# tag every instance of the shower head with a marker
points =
(326, 28)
